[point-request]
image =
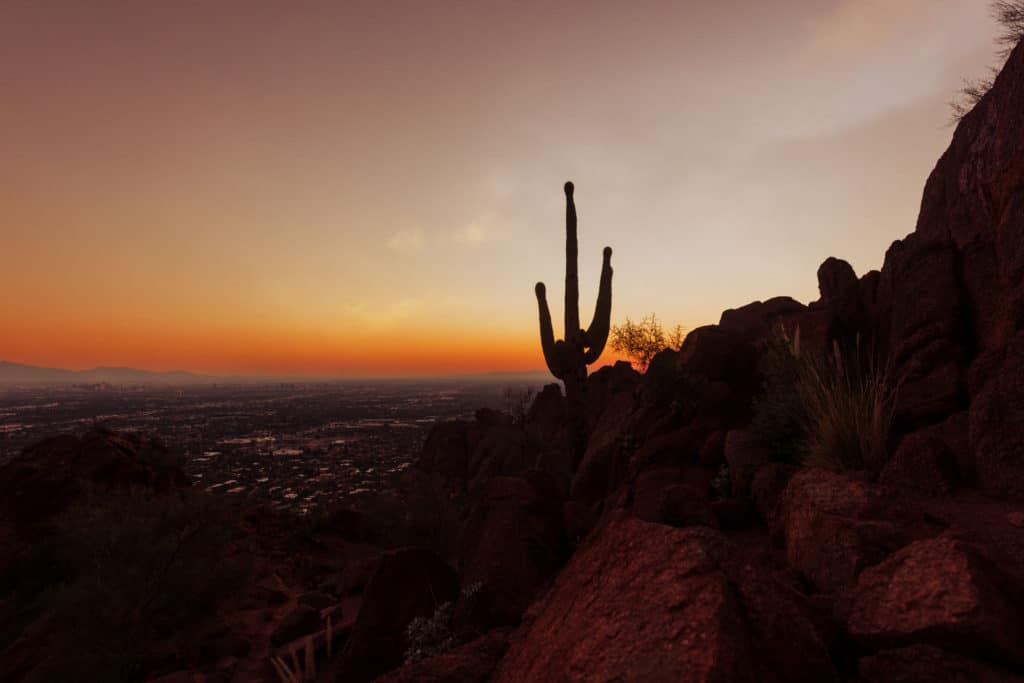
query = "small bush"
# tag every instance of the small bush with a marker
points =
(643, 340)
(834, 412)
(431, 636)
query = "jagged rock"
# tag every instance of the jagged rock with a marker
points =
(973, 199)
(757, 320)
(446, 450)
(662, 496)
(712, 452)
(511, 542)
(609, 448)
(674, 448)
(927, 664)
(997, 427)
(922, 301)
(836, 280)
(767, 487)
(407, 584)
(921, 463)
(646, 602)
(718, 353)
(938, 591)
(472, 662)
(744, 454)
(835, 526)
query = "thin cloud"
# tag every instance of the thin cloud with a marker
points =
(407, 240)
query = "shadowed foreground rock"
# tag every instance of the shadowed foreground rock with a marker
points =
(646, 602)
(469, 663)
(939, 591)
(407, 584)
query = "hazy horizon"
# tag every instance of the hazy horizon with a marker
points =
(373, 188)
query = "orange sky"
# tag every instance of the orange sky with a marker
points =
(374, 187)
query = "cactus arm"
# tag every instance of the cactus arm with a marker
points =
(554, 353)
(597, 333)
(572, 282)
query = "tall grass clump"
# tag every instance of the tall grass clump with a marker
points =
(833, 411)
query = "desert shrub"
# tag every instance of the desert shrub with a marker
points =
(140, 577)
(780, 414)
(641, 341)
(1009, 14)
(833, 412)
(434, 635)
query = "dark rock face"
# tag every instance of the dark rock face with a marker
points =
(446, 450)
(925, 664)
(718, 353)
(664, 496)
(834, 527)
(744, 454)
(47, 477)
(645, 602)
(512, 541)
(923, 463)
(605, 462)
(941, 592)
(997, 426)
(973, 200)
(407, 584)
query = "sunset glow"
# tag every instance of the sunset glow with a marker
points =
(374, 188)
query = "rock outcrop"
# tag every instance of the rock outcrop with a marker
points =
(645, 602)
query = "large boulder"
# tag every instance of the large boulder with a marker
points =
(646, 602)
(942, 592)
(922, 463)
(718, 353)
(744, 454)
(758, 320)
(407, 584)
(835, 526)
(673, 496)
(512, 541)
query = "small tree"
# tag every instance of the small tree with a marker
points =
(1010, 15)
(641, 341)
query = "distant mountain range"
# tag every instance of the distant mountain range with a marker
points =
(15, 373)
(18, 374)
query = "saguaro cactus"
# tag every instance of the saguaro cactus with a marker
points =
(568, 358)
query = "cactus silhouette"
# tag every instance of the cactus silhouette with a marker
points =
(568, 358)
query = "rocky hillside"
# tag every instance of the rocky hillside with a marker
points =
(688, 543)
(693, 551)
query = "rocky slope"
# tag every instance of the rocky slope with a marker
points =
(681, 547)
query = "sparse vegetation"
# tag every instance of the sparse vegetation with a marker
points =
(1010, 16)
(642, 340)
(518, 401)
(834, 412)
(431, 636)
(135, 579)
